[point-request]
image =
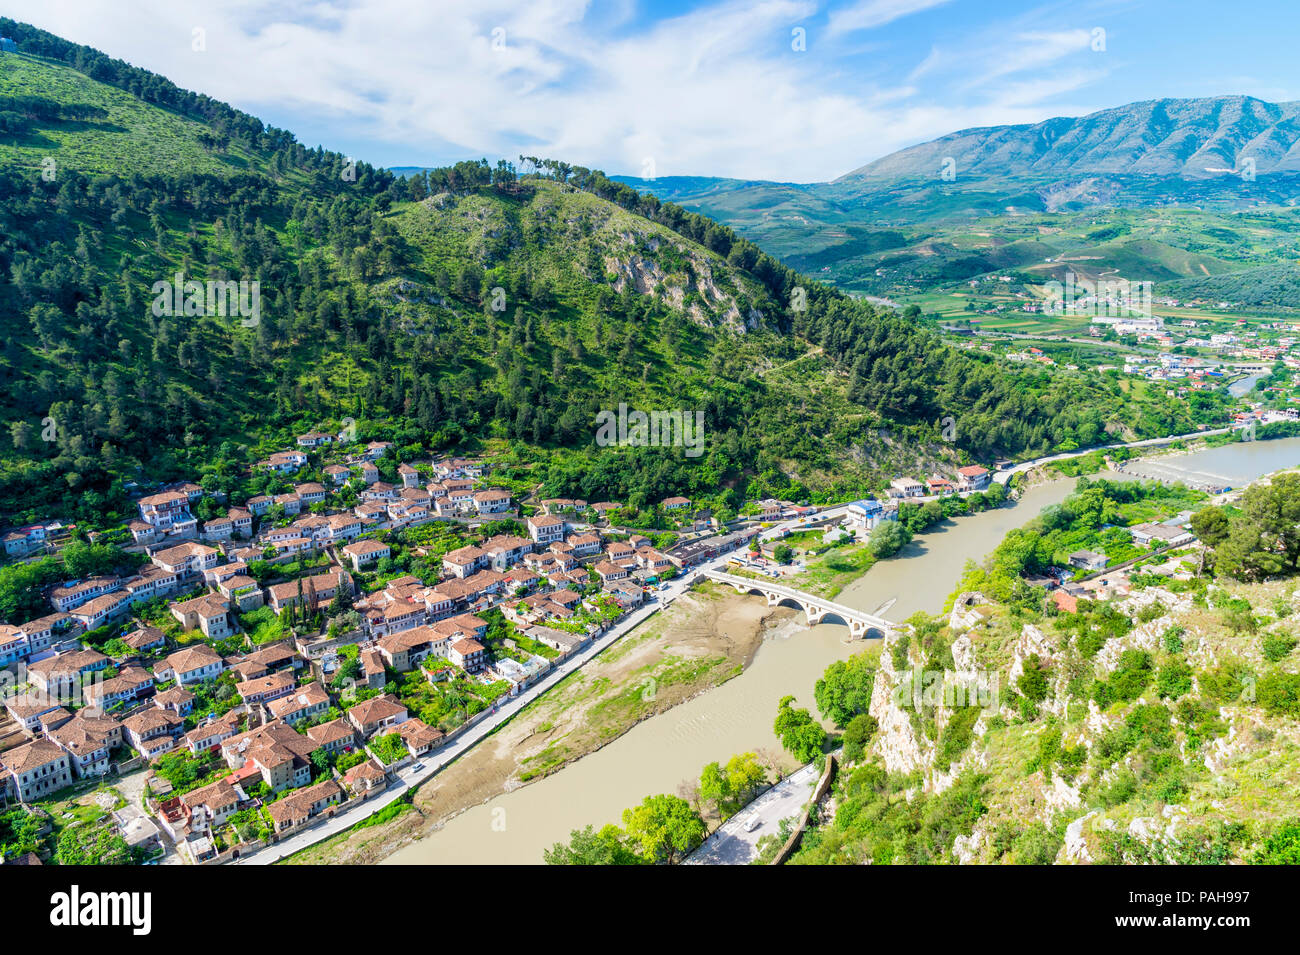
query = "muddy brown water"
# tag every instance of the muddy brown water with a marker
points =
(659, 753)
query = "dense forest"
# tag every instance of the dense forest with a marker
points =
(460, 305)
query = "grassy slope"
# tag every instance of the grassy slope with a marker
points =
(569, 222)
(1243, 770)
(134, 137)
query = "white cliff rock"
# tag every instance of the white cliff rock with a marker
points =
(1076, 846)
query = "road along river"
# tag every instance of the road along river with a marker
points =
(657, 754)
(1231, 465)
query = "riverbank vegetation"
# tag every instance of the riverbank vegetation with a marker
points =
(665, 829)
(832, 561)
(1093, 518)
(1155, 724)
(1259, 536)
(662, 830)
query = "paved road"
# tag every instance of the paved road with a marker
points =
(1003, 476)
(732, 845)
(435, 763)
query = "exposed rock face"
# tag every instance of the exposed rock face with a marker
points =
(1060, 796)
(895, 698)
(1034, 641)
(968, 850)
(642, 274)
(963, 655)
(1076, 846)
(895, 743)
(1096, 723)
(1221, 750)
(1033, 771)
(646, 276)
(960, 617)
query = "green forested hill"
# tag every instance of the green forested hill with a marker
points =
(118, 135)
(451, 308)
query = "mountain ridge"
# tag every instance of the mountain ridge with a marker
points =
(1111, 190)
(380, 303)
(1162, 137)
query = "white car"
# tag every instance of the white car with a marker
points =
(752, 823)
(417, 767)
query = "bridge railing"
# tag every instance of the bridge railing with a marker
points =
(819, 602)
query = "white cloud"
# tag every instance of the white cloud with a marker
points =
(1033, 51)
(718, 91)
(869, 14)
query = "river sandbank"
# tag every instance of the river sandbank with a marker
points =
(704, 639)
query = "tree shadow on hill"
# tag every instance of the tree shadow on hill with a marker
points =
(84, 126)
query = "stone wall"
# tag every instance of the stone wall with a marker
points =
(819, 793)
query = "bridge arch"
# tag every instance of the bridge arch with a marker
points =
(780, 600)
(829, 616)
(816, 610)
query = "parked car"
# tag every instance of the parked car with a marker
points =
(416, 767)
(752, 823)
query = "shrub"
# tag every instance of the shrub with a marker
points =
(1281, 848)
(1276, 646)
(1035, 845)
(1237, 618)
(1151, 611)
(1174, 679)
(1279, 693)
(857, 735)
(1200, 721)
(899, 652)
(1224, 683)
(1129, 680)
(1033, 681)
(956, 736)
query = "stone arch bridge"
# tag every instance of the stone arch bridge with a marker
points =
(817, 609)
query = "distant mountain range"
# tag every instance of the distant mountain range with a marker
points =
(1188, 138)
(1104, 192)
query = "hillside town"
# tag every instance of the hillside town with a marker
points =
(287, 655)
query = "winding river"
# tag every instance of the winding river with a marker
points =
(659, 753)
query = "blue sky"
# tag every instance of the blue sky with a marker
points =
(677, 87)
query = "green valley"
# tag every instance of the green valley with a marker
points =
(453, 307)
